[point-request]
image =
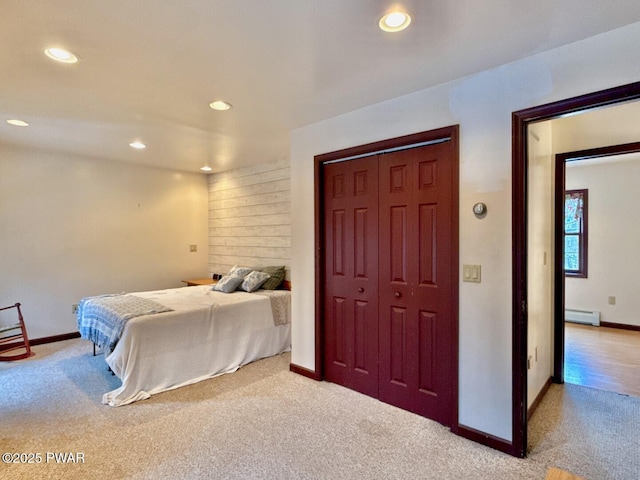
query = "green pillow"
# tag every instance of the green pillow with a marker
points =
(276, 276)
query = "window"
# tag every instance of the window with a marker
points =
(575, 233)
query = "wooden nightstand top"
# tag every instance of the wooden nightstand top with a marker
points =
(200, 281)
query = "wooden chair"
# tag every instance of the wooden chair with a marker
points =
(14, 337)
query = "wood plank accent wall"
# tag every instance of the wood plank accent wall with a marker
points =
(250, 217)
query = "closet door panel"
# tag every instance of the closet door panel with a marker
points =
(415, 372)
(351, 274)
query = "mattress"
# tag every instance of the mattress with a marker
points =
(206, 334)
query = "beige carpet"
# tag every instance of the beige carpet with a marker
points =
(265, 422)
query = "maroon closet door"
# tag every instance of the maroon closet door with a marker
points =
(351, 274)
(415, 285)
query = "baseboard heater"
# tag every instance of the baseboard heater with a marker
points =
(588, 317)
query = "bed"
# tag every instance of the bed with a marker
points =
(197, 334)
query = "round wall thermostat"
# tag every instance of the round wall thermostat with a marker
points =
(479, 209)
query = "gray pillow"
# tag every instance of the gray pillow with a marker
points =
(227, 284)
(238, 271)
(252, 282)
(276, 277)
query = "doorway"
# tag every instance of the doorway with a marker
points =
(563, 161)
(387, 242)
(520, 123)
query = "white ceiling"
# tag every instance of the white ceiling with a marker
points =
(149, 68)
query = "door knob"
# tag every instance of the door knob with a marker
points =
(361, 289)
(398, 294)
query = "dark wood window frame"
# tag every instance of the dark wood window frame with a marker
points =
(583, 235)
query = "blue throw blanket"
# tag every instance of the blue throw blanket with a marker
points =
(101, 319)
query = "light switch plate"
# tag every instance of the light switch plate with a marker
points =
(472, 273)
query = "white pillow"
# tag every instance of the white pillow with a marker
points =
(227, 284)
(253, 281)
(238, 271)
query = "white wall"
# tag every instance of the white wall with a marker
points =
(72, 227)
(482, 104)
(603, 127)
(250, 217)
(612, 257)
(614, 236)
(540, 258)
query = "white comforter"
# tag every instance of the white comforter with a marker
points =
(207, 334)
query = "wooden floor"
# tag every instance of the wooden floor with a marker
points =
(558, 474)
(603, 358)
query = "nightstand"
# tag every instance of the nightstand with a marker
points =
(199, 281)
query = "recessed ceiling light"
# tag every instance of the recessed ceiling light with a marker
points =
(395, 21)
(17, 123)
(220, 105)
(206, 168)
(61, 55)
(138, 145)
